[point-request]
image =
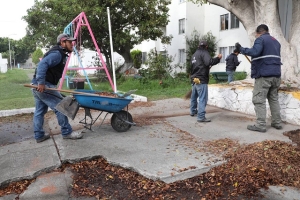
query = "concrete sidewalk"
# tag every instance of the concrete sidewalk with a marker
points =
(151, 150)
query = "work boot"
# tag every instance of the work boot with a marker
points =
(277, 126)
(45, 137)
(194, 113)
(255, 128)
(204, 120)
(73, 136)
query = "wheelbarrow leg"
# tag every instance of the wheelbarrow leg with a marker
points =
(87, 113)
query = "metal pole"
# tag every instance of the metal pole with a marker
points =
(9, 54)
(112, 51)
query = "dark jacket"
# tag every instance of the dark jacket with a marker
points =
(53, 73)
(231, 62)
(201, 63)
(265, 53)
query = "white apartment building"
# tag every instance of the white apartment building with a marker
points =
(185, 17)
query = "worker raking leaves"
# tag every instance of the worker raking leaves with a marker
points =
(201, 63)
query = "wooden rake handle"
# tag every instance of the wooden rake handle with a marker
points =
(68, 91)
(247, 58)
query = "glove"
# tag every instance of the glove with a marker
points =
(196, 81)
(238, 47)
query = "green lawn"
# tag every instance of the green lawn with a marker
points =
(15, 96)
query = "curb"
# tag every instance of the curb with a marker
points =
(6, 113)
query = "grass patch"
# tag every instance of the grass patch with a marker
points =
(13, 94)
(152, 89)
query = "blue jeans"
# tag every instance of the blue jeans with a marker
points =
(230, 76)
(43, 100)
(200, 92)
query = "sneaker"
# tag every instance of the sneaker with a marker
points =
(255, 128)
(74, 135)
(45, 137)
(277, 126)
(204, 120)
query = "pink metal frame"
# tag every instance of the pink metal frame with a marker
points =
(81, 20)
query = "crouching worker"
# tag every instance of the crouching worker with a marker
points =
(47, 75)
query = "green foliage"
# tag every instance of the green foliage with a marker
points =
(36, 55)
(136, 56)
(198, 1)
(193, 44)
(159, 65)
(20, 49)
(133, 21)
(240, 75)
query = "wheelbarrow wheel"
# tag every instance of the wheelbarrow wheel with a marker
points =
(118, 121)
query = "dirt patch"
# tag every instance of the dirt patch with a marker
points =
(141, 104)
(248, 169)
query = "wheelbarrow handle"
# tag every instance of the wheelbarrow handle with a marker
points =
(68, 91)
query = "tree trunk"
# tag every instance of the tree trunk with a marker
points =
(254, 12)
(125, 52)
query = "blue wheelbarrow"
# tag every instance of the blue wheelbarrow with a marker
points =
(121, 119)
(114, 103)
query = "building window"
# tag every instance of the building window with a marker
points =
(144, 57)
(182, 56)
(224, 22)
(234, 21)
(223, 51)
(181, 26)
(181, 1)
(231, 49)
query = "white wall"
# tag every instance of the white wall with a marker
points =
(3, 64)
(226, 38)
(87, 60)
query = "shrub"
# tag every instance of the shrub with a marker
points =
(193, 44)
(136, 56)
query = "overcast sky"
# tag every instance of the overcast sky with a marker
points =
(11, 13)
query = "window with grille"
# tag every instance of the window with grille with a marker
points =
(181, 56)
(234, 21)
(224, 22)
(231, 49)
(181, 26)
(223, 51)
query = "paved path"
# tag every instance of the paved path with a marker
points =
(169, 137)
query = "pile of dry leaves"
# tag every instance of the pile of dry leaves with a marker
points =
(248, 169)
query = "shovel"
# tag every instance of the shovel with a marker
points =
(68, 105)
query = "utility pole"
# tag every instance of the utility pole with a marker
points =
(9, 54)
(9, 51)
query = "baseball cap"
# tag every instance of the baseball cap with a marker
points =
(64, 36)
(203, 43)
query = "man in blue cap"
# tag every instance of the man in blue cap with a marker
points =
(266, 70)
(47, 75)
